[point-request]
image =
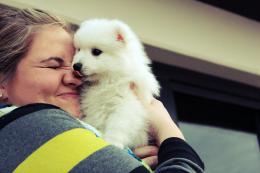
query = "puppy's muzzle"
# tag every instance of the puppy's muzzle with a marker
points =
(77, 70)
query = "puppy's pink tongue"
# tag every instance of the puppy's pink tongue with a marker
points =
(77, 74)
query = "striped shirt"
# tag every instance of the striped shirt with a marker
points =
(41, 138)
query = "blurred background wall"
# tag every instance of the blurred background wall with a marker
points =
(187, 27)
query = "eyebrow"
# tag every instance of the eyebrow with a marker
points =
(58, 59)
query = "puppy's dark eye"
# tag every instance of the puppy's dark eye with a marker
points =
(96, 52)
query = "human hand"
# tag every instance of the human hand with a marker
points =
(161, 124)
(148, 154)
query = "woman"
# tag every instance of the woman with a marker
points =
(43, 134)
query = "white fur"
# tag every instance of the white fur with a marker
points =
(108, 103)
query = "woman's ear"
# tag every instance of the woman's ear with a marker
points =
(3, 93)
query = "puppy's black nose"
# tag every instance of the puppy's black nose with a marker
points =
(77, 66)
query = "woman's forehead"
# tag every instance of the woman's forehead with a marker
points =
(52, 35)
(51, 41)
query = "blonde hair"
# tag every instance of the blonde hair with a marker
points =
(17, 29)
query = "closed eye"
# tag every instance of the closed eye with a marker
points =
(53, 67)
(57, 67)
(53, 63)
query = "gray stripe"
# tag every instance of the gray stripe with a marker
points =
(179, 164)
(24, 135)
(108, 160)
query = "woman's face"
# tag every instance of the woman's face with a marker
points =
(45, 75)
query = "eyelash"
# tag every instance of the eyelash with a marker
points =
(53, 67)
(59, 67)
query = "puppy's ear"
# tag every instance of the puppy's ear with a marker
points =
(124, 34)
(120, 36)
(120, 29)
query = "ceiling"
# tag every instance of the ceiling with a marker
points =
(246, 8)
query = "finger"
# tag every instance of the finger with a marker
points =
(133, 87)
(151, 161)
(146, 151)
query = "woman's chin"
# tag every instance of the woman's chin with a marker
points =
(71, 106)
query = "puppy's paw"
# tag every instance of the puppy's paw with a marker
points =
(114, 142)
(121, 146)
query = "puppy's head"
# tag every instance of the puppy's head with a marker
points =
(105, 47)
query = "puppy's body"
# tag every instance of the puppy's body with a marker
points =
(113, 59)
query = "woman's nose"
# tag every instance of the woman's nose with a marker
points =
(70, 79)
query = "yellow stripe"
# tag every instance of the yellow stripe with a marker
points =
(146, 166)
(62, 153)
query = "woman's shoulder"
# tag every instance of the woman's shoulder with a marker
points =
(9, 113)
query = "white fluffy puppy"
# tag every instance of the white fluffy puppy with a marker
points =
(111, 58)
